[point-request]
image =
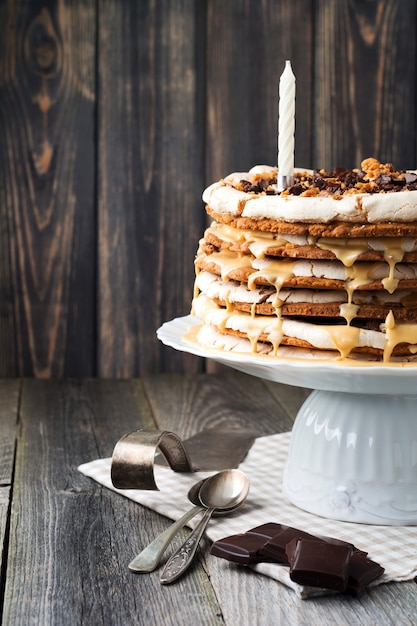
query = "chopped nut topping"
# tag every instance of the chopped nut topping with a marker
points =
(373, 177)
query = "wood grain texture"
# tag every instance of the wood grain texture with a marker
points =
(71, 539)
(4, 518)
(247, 45)
(365, 83)
(150, 178)
(47, 195)
(289, 398)
(232, 400)
(114, 116)
(9, 405)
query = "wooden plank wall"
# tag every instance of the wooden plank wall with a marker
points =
(114, 115)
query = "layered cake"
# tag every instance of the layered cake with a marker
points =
(327, 266)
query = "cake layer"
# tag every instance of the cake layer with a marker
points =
(307, 302)
(316, 229)
(261, 244)
(212, 339)
(278, 331)
(376, 194)
(306, 273)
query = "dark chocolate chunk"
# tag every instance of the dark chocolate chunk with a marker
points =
(267, 531)
(297, 190)
(315, 561)
(340, 542)
(257, 186)
(242, 549)
(362, 571)
(320, 564)
(290, 548)
(275, 547)
(245, 548)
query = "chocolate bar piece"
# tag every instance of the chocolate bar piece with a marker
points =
(275, 547)
(290, 547)
(320, 564)
(362, 571)
(245, 548)
(242, 548)
(316, 561)
(267, 531)
(340, 542)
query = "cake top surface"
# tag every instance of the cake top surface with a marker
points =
(373, 193)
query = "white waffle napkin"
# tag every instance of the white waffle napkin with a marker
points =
(393, 547)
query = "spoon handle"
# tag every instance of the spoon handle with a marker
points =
(182, 558)
(149, 558)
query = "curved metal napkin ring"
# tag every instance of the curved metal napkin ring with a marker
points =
(133, 458)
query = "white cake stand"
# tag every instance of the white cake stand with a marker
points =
(353, 450)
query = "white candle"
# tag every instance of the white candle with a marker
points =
(286, 128)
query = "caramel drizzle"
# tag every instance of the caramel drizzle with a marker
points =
(277, 272)
(399, 333)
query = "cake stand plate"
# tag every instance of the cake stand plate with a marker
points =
(353, 449)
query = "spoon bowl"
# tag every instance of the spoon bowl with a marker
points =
(224, 491)
(150, 557)
(193, 496)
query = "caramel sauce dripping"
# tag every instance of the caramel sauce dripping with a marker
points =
(344, 338)
(398, 333)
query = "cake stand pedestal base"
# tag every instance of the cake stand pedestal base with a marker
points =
(353, 457)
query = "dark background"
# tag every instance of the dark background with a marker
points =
(114, 115)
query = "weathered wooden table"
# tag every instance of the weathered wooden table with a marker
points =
(66, 541)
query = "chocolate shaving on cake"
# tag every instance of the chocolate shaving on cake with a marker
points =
(373, 177)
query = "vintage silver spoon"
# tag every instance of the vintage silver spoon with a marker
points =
(225, 491)
(149, 558)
